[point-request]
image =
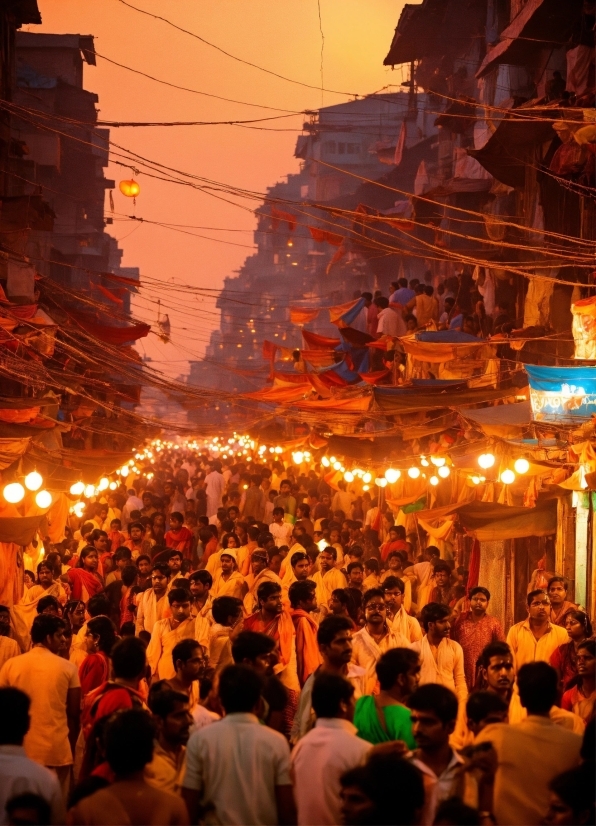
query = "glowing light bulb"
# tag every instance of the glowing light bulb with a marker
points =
(104, 483)
(381, 482)
(43, 499)
(443, 471)
(325, 461)
(476, 479)
(332, 460)
(78, 488)
(507, 477)
(367, 478)
(486, 460)
(89, 491)
(337, 465)
(124, 471)
(298, 457)
(434, 480)
(392, 475)
(365, 487)
(279, 449)
(424, 461)
(414, 472)
(521, 466)
(14, 492)
(33, 480)
(438, 461)
(79, 509)
(113, 485)
(348, 476)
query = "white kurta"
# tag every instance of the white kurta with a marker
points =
(366, 652)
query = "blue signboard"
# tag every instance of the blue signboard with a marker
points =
(562, 392)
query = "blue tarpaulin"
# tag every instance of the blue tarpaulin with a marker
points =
(562, 392)
(448, 337)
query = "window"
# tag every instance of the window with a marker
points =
(353, 148)
(329, 147)
(341, 149)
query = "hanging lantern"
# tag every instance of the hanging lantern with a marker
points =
(367, 478)
(43, 499)
(13, 492)
(381, 482)
(521, 466)
(443, 471)
(33, 480)
(392, 475)
(77, 489)
(414, 472)
(434, 480)
(349, 476)
(486, 460)
(129, 188)
(508, 477)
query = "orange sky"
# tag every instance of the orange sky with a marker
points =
(281, 36)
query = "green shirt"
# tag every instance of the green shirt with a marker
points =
(398, 722)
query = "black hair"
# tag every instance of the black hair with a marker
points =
(298, 556)
(178, 595)
(225, 607)
(535, 593)
(564, 582)
(378, 780)
(29, 800)
(329, 691)
(266, 590)
(301, 591)
(582, 618)
(48, 602)
(372, 564)
(177, 516)
(494, 649)
(392, 663)
(44, 626)
(239, 688)
(129, 741)
(393, 582)
(482, 703)
(330, 627)
(576, 789)
(441, 565)
(163, 701)
(129, 658)
(371, 594)
(128, 575)
(202, 576)
(98, 605)
(249, 645)
(537, 683)
(174, 552)
(454, 810)
(184, 650)
(433, 612)
(104, 628)
(14, 720)
(435, 698)
(353, 565)
(480, 590)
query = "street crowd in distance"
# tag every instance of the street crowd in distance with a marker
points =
(230, 641)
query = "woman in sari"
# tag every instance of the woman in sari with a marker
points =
(564, 658)
(95, 668)
(84, 579)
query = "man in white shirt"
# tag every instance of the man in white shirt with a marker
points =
(331, 748)
(394, 589)
(52, 684)
(441, 659)
(390, 322)
(375, 638)
(214, 488)
(238, 771)
(133, 503)
(280, 530)
(19, 774)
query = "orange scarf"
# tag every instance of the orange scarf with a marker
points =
(280, 629)
(307, 650)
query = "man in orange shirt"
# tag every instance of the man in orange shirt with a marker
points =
(304, 601)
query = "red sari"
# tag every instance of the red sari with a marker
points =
(84, 584)
(93, 672)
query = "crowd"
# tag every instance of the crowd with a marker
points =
(233, 642)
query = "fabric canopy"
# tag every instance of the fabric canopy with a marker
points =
(344, 314)
(443, 349)
(279, 395)
(108, 333)
(302, 315)
(406, 399)
(19, 529)
(313, 341)
(11, 450)
(507, 421)
(359, 404)
(488, 521)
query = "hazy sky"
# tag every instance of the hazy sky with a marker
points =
(279, 35)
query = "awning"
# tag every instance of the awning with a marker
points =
(507, 421)
(313, 341)
(504, 155)
(540, 25)
(409, 399)
(562, 393)
(416, 32)
(107, 332)
(488, 521)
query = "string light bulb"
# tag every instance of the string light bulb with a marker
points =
(78, 488)
(78, 509)
(89, 491)
(424, 461)
(43, 499)
(112, 485)
(349, 476)
(434, 480)
(104, 483)
(298, 457)
(367, 478)
(33, 480)
(14, 492)
(443, 471)
(392, 475)
(381, 482)
(337, 465)
(521, 466)
(486, 460)
(438, 461)
(414, 472)
(507, 477)
(325, 462)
